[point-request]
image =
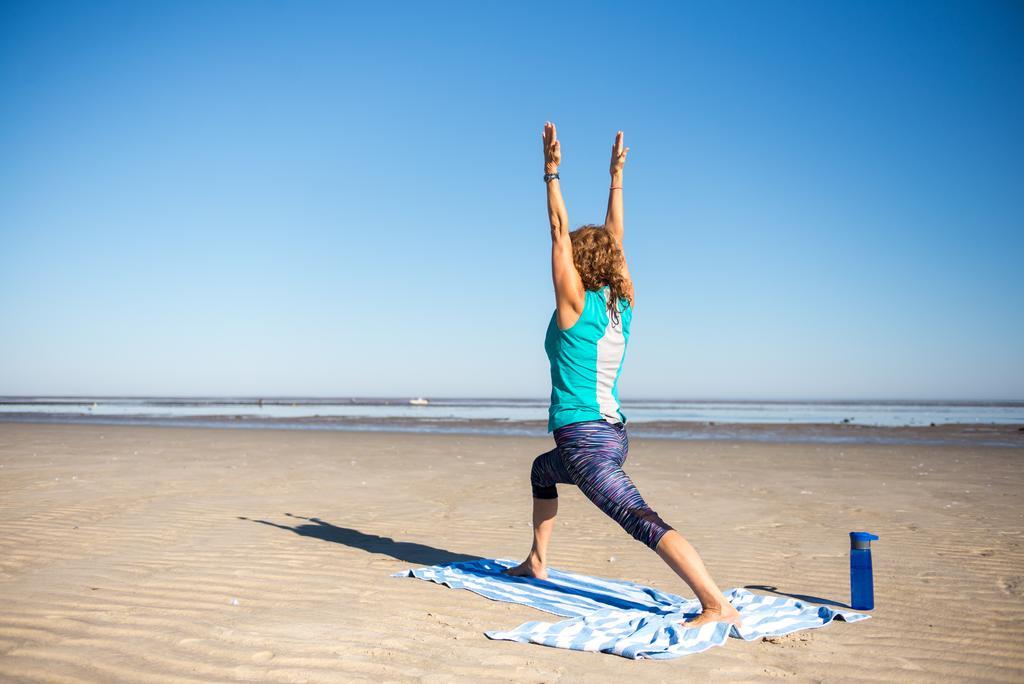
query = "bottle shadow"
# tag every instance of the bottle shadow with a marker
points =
(799, 597)
(409, 552)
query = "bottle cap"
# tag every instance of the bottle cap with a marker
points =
(862, 540)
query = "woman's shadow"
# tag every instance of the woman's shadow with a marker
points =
(410, 552)
(422, 554)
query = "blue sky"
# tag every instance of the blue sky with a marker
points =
(823, 200)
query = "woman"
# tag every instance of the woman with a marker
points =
(586, 343)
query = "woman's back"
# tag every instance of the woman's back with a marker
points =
(586, 361)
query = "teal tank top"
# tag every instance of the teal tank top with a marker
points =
(586, 360)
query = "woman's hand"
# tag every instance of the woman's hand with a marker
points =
(552, 148)
(618, 155)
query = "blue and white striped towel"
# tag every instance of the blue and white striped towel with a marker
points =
(627, 619)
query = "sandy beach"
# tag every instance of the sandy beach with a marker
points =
(149, 554)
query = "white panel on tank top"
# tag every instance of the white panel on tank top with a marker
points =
(610, 349)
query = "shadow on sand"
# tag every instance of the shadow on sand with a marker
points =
(409, 552)
(421, 554)
(800, 597)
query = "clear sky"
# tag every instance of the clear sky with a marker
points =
(823, 199)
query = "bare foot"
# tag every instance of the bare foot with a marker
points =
(531, 567)
(724, 613)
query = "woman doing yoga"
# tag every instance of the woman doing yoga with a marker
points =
(586, 343)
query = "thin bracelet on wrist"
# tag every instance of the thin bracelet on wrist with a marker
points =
(615, 187)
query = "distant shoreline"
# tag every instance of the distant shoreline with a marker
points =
(84, 399)
(962, 434)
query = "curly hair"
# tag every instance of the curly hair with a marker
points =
(599, 260)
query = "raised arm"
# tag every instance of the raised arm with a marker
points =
(613, 221)
(569, 293)
(557, 215)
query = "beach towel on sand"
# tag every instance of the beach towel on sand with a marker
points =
(627, 619)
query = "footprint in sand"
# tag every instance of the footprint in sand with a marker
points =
(790, 640)
(262, 656)
(1014, 586)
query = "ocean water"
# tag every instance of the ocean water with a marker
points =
(679, 419)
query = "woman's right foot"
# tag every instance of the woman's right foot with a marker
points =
(531, 567)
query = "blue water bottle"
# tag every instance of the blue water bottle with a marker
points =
(862, 584)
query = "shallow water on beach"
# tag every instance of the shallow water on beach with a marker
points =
(892, 422)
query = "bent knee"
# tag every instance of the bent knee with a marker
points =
(537, 470)
(541, 481)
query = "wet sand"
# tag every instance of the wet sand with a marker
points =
(960, 434)
(152, 554)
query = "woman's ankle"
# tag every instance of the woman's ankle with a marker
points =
(721, 607)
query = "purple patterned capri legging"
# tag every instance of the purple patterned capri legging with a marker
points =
(590, 454)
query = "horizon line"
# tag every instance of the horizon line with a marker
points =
(272, 397)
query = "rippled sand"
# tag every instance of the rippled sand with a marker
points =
(144, 554)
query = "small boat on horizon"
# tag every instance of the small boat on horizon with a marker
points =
(419, 401)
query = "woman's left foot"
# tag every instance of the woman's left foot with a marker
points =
(531, 567)
(724, 613)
